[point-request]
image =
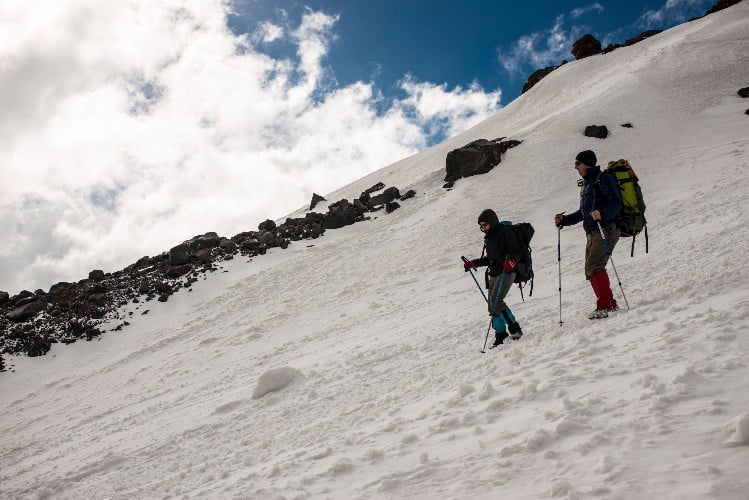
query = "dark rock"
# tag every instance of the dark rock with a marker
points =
(208, 240)
(25, 301)
(23, 294)
(722, 4)
(409, 194)
(143, 287)
(391, 206)
(375, 188)
(27, 311)
(747, 112)
(179, 255)
(364, 197)
(204, 255)
(84, 309)
(585, 47)
(39, 292)
(385, 197)
(316, 198)
(448, 185)
(267, 225)
(177, 271)
(477, 157)
(227, 246)
(537, 76)
(597, 131)
(96, 275)
(340, 214)
(611, 48)
(39, 347)
(164, 288)
(744, 93)
(163, 298)
(4, 297)
(642, 36)
(627, 125)
(59, 287)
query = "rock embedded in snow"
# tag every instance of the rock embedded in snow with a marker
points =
(597, 131)
(586, 46)
(743, 93)
(275, 380)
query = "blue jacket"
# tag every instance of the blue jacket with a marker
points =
(604, 197)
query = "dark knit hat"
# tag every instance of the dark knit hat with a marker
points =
(489, 216)
(588, 157)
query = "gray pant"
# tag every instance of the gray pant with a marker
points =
(596, 256)
(493, 285)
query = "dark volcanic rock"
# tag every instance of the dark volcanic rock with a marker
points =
(409, 194)
(597, 131)
(208, 240)
(744, 93)
(477, 157)
(179, 255)
(267, 225)
(642, 36)
(39, 347)
(341, 213)
(611, 47)
(4, 297)
(585, 47)
(537, 76)
(627, 125)
(59, 287)
(722, 4)
(385, 197)
(747, 112)
(96, 275)
(391, 206)
(177, 271)
(28, 311)
(316, 198)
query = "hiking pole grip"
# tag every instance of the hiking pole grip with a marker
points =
(475, 280)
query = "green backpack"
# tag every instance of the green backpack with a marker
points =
(631, 218)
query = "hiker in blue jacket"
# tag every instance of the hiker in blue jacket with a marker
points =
(600, 202)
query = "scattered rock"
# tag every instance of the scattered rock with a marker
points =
(642, 36)
(267, 225)
(177, 271)
(611, 47)
(179, 255)
(585, 47)
(58, 287)
(27, 311)
(340, 214)
(384, 198)
(409, 194)
(391, 206)
(4, 297)
(96, 275)
(597, 131)
(477, 157)
(744, 93)
(627, 125)
(722, 4)
(537, 76)
(316, 198)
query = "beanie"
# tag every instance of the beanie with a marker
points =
(588, 157)
(489, 216)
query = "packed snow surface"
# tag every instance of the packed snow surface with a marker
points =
(365, 346)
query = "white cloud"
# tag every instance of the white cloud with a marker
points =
(131, 126)
(672, 12)
(269, 32)
(540, 49)
(582, 10)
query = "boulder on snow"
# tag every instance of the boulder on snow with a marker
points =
(266, 225)
(179, 255)
(744, 93)
(96, 275)
(340, 214)
(409, 194)
(642, 36)
(597, 131)
(390, 194)
(536, 77)
(275, 379)
(316, 198)
(392, 206)
(627, 125)
(477, 157)
(585, 47)
(27, 311)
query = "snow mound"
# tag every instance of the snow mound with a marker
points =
(275, 379)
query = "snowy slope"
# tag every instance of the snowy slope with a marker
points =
(378, 329)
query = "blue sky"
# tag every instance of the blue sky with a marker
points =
(460, 42)
(166, 124)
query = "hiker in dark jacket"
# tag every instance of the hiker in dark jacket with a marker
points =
(600, 202)
(500, 255)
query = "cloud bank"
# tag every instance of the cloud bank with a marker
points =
(129, 127)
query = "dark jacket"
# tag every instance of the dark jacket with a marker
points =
(598, 192)
(500, 244)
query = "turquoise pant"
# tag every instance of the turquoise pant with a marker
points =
(499, 323)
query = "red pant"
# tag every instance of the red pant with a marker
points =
(602, 289)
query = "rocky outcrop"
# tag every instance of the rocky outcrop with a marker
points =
(316, 198)
(537, 76)
(597, 131)
(722, 4)
(642, 36)
(743, 93)
(477, 157)
(585, 47)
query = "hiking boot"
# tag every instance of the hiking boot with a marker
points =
(515, 331)
(499, 338)
(603, 313)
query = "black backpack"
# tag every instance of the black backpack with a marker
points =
(524, 233)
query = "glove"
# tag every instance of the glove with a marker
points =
(469, 264)
(559, 220)
(509, 265)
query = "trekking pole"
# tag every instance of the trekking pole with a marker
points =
(494, 308)
(611, 257)
(475, 280)
(559, 264)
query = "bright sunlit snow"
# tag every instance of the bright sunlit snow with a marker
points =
(351, 368)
